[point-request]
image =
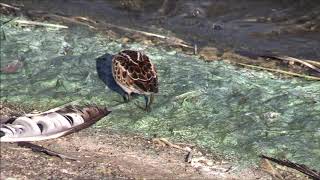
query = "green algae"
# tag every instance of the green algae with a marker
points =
(239, 113)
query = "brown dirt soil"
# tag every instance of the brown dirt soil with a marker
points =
(109, 154)
(103, 156)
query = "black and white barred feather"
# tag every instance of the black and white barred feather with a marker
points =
(51, 124)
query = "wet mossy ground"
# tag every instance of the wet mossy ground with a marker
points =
(238, 113)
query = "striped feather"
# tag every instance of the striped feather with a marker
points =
(51, 124)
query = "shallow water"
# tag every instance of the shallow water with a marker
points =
(236, 112)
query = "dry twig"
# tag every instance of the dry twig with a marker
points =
(268, 167)
(25, 22)
(312, 62)
(314, 65)
(37, 148)
(299, 167)
(172, 40)
(75, 20)
(280, 71)
(166, 142)
(9, 6)
(287, 58)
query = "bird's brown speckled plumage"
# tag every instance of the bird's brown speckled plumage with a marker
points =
(134, 72)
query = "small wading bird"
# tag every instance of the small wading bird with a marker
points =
(128, 73)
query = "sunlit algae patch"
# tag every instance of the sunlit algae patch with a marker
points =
(235, 112)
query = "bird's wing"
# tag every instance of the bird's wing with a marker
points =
(134, 69)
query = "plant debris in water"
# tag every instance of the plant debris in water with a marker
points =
(237, 112)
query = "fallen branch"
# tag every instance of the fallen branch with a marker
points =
(84, 19)
(49, 152)
(280, 71)
(268, 167)
(309, 63)
(313, 174)
(173, 40)
(167, 143)
(316, 63)
(76, 19)
(287, 58)
(71, 19)
(9, 6)
(25, 22)
(79, 19)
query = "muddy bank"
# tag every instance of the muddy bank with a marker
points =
(110, 154)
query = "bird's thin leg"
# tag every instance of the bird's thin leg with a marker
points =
(149, 100)
(126, 97)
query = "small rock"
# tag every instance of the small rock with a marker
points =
(209, 54)
(12, 67)
(271, 116)
(64, 171)
(125, 40)
(112, 34)
(217, 27)
(315, 27)
(262, 20)
(147, 42)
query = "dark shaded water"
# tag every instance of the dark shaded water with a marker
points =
(258, 26)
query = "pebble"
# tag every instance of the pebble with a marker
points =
(209, 54)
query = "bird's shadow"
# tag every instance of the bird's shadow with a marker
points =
(104, 70)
